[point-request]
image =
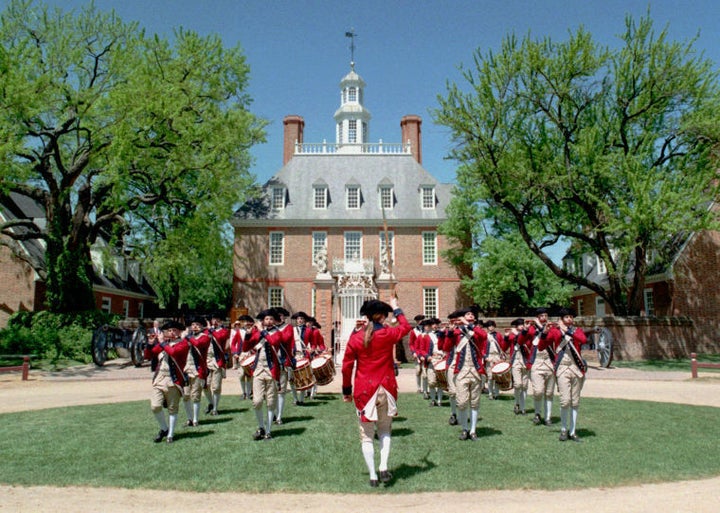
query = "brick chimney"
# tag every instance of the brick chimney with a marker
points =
(293, 132)
(410, 129)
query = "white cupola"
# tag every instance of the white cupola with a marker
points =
(352, 118)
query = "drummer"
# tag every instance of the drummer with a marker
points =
(447, 345)
(287, 360)
(496, 353)
(317, 347)
(241, 327)
(302, 333)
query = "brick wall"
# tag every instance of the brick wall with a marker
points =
(18, 290)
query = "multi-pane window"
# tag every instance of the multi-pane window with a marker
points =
(353, 197)
(580, 307)
(340, 132)
(649, 301)
(320, 197)
(352, 94)
(106, 304)
(383, 242)
(601, 269)
(319, 244)
(386, 197)
(277, 248)
(429, 248)
(353, 245)
(430, 301)
(428, 197)
(141, 310)
(278, 198)
(352, 131)
(275, 297)
(126, 308)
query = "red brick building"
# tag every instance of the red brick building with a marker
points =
(316, 240)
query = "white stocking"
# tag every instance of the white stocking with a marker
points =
(563, 418)
(160, 416)
(384, 451)
(473, 420)
(369, 454)
(573, 421)
(171, 429)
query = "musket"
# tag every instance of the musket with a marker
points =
(393, 292)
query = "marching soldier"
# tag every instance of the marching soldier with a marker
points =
(217, 358)
(520, 347)
(542, 374)
(196, 370)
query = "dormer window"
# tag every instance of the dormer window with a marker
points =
(320, 197)
(352, 195)
(277, 198)
(386, 197)
(427, 193)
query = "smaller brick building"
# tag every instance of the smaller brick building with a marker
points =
(120, 288)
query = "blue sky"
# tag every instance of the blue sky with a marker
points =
(405, 51)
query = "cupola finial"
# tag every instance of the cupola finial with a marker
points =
(352, 35)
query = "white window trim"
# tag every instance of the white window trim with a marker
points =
(313, 252)
(270, 293)
(601, 269)
(435, 248)
(106, 304)
(345, 237)
(649, 292)
(272, 198)
(347, 197)
(324, 190)
(380, 196)
(282, 248)
(427, 313)
(422, 197)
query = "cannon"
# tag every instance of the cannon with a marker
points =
(107, 337)
(601, 341)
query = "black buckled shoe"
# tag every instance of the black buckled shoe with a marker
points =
(516, 410)
(464, 435)
(453, 420)
(374, 483)
(575, 438)
(209, 408)
(268, 436)
(384, 476)
(537, 420)
(473, 437)
(563, 435)
(161, 434)
(259, 434)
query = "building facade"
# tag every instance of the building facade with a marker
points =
(343, 222)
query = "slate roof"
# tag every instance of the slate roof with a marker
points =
(304, 171)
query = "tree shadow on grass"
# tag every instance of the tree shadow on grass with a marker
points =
(406, 471)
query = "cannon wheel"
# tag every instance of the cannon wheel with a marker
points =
(604, 344)
(137, 347)
(99, 345)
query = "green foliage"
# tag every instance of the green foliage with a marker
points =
(625, 442)
(53, 336)
(606, 150)
(121, 135)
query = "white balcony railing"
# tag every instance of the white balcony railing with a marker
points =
(378, 148)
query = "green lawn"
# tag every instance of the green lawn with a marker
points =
(317, 449)
(677, 364)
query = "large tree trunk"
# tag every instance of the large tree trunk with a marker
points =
(69, 288)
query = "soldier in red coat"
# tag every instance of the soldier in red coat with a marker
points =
(168, 354)
(196, 370)
(496, 352)
(542, 374)
(570, 368)
(370, 352)
(519, 347)
(287, 359)
(217, 358)
(470, 344)
(264, 342)
(412, 342)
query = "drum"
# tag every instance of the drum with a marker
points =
(502, 375)
(440, 369)
(324, 370)
(246, 364)
(303, 375)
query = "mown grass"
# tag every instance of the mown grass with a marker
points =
(317, 449)
(675, 364)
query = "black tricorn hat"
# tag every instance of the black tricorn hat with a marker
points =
(200, 320)
(270, 312)
(300, 314)
(375, 306)
(172, 324)
(566, 311)
(518, 322)
(280, 310)
(541, 310)
(419, 318)
(245, 318)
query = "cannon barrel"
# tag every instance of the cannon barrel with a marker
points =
(108, 337)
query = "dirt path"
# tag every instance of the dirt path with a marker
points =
(118, 382)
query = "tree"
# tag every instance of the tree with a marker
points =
(607, 151)
(109, 129)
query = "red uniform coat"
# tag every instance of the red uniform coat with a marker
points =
(178, 358)
(555, 337)
(199, 345)
(501, 342)
(519, 346)
(543, 343)
(475, 349)
(272, 342)
(219, 340)
(412, 340)
(424, 347)
(317, 341)
(375, 363)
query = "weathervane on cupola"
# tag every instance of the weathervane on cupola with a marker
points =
(352, 35)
